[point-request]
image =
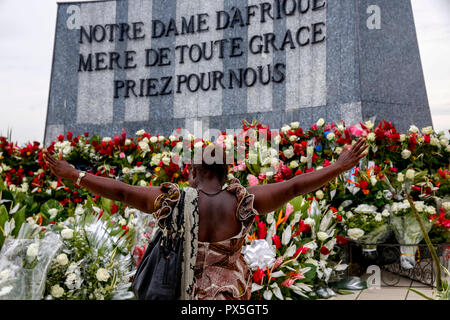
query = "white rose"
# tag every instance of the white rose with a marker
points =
(62, 259)
(402, 137)
(303, 159)
(338, 150)
(309, 221)
(371, 136)
(406, 154)
(289, 153)
(355, 233)
(295, 125)
(430, 210)
(340, 127)
(33, 250)
(400, 177)
(373, 180)
(319, 194)
(443, 141)
(369, 124)
(410, 173)
(166, 161)
(53, 184)
(435, 142)
(269, 174)
(52, 212)
(102, 274)
(285, 129)
(144, 146)
(67, 233)
(320, 122)
(322, 236)
(161, 138)
(378, 217)
(330, 136)
(446, 206)
(56, 291)
(349, 214)
(293, 164)
(293, 138)
(142, 183)
(126, 170)
(140, 132)
(127, 142)
(427, 130)
(277, 139)
(413, 129)
(153, 139)
(106, 139)
(420, 205)
(5, 274)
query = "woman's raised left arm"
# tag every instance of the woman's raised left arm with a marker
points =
(141, 198)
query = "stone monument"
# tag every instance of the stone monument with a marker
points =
(159, 65)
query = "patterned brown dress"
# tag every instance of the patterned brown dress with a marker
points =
(220, 271)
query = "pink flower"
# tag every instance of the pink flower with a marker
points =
(354, 130)
(297, 275)
(277, 263)
(252, 180)
(122, 155)
(289, 210)
(242, 167)
(287, 283)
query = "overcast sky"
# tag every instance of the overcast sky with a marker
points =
(26, 44)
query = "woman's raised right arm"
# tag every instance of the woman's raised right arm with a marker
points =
(270, 197)
(141, 198)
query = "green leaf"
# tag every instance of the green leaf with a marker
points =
(50, 204)
(3, 219)
(420, 294)
(19, 218)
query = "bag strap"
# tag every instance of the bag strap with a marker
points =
(180, 218)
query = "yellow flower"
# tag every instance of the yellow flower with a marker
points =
(157, 169)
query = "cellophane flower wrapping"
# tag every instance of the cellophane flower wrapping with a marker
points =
(24, 263)
(99, 264)
(407, 231)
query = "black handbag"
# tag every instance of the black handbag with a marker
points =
(158, 276)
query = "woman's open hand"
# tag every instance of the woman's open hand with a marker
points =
(351, 155)
(60, 168)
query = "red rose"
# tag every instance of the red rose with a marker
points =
(338, 217)
(324, 250)
(341, 240)
(114, 208)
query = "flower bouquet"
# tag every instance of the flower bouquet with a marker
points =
(407, 230)
(24, 262)
(290, 252)
(95, 262)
